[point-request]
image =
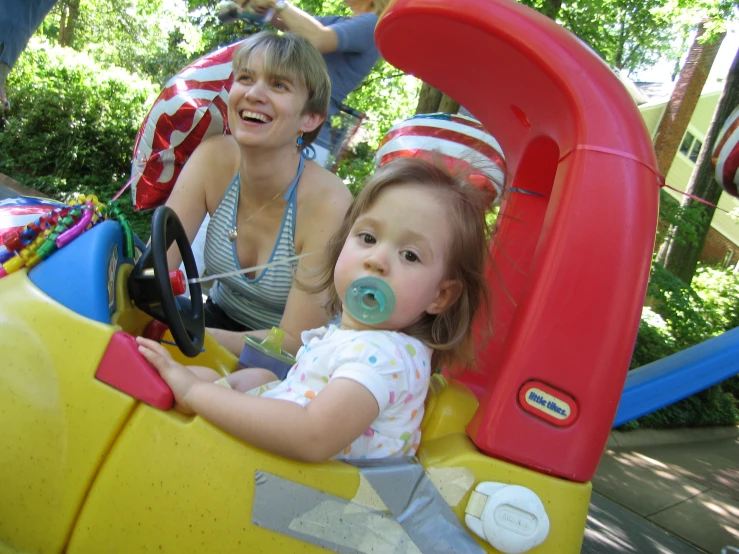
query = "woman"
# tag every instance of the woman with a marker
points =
(265, 201)
(19, 19)
(347, 45)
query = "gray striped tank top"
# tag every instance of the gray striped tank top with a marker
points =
(257, 303)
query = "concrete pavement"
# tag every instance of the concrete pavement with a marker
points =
(6, 192)
(10, 187)
(666, 492)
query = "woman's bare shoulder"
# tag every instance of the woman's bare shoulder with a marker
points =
(323, 200)
(222, 148)
(321, 187)
(216, 161)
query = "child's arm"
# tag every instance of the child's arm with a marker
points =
(312, 433)
(250, 378)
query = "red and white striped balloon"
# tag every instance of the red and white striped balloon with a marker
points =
(191, 108)
(460, 141)
(726, 155)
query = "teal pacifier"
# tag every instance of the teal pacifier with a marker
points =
(370, 300)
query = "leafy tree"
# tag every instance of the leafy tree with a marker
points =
(685, 96)
(633, 34)
(678, 256)
(146, 37)
(72, 125)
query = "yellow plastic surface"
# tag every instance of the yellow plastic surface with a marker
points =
(57, 421)
(108, 474)
(185, 486)
(456, 466)
(214, 355)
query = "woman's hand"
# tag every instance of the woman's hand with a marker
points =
(261, 6)
(179, 377)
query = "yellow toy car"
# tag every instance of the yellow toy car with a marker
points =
(91, 459)
(88, 467)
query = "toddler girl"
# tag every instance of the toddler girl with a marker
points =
(405, 272)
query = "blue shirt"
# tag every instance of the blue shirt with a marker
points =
(352, 60)
(19, 19)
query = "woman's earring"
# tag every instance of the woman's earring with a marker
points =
(299, 142)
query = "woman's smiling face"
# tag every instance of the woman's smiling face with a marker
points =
(267, 109)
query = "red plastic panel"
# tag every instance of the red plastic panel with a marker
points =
(125, 369)
(571, 266)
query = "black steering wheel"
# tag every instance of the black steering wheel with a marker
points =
(151, 290)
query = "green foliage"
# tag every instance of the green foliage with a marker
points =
(689, 320)
(654, 340)
(717, 289)
(148, 38)
(73, 124)
(672, 214)
(681, 317)
(634, 34)
(708, 408)
(358, 164)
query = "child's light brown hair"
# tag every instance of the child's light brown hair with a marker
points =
(449, 333)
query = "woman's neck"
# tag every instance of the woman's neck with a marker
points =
(265, 173)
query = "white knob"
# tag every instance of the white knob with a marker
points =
(510, 518)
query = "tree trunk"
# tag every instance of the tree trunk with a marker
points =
(429, 99)
(432, 100)
(551, 8)
(684, 98)
(448, 105)
(66, 38)
(62, 25)
(677, 255)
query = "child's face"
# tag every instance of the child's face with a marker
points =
(403, 239)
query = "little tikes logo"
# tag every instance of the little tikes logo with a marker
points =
(547, 403)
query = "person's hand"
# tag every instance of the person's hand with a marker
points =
(262, 6)
(4, 104)
(179, 378)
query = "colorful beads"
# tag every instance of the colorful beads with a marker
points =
(38, 240)
(27, 247)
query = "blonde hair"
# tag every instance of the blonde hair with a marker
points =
(291, 56)
(449, 333)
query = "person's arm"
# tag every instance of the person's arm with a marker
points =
(313, 433)
(291, 18)
(213, 163)
(233, 341)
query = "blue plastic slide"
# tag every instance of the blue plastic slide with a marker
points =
(666, 381)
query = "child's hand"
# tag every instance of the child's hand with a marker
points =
(179, 378)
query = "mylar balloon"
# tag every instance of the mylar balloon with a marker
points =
(726, 155)
(460, 141)
(191, 108)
